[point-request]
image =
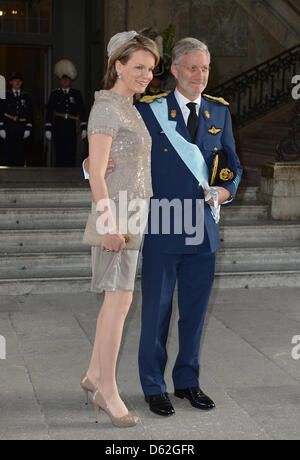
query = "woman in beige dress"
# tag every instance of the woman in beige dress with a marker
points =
(116, 129)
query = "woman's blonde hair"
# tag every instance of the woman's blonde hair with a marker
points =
(123, 54)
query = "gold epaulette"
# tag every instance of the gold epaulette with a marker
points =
(148, 99)
(217, 99)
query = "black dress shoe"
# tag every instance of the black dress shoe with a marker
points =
(196, 397)
(160, 404)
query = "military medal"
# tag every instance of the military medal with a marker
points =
(213, 130)
(226, 174)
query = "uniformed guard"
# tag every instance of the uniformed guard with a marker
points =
(192, 149)
(65, 112)
(15, 121)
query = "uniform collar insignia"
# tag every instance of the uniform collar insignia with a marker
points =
(213, 130)
(207, 114)
(173, 113)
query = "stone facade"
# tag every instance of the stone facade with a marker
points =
(237, 39)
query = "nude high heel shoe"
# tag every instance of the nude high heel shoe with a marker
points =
(121, 422)
(87, 387)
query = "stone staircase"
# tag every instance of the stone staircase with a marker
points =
(41, 229)
(257, 141)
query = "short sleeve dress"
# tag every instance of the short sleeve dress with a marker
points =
(116, 116)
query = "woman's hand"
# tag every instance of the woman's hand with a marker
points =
(114, 242)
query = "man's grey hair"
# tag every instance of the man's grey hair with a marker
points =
(186, 46)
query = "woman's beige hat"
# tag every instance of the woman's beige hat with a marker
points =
(119, 40)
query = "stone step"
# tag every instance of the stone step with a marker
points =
(261, 234)
(254, 234)
(75, 218)
(240, 257)
(43, 218)
(246, 194)
(71, 197)
(243, 212)
(45, 197)
(230, 280)
(32, 241)
(43, 265)
(56, 265)
(256, 279)
(49, 177)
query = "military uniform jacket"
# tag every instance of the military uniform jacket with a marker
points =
(16, 109)
(171, 178)
(69, 106)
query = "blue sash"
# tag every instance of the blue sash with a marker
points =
(188, 152)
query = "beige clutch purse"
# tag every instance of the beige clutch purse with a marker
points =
(92, 238)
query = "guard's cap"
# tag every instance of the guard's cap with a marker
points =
(15, 76)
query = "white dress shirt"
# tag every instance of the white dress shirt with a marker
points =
(182, 101)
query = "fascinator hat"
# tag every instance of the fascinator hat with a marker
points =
(118, 41)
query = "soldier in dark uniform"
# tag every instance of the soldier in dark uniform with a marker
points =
(15, 121)
(65, 110)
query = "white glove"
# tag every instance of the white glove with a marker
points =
(83, 134)
(212, 192)
(3, 134)
(48, 135)
(26, 134)
(85, 174)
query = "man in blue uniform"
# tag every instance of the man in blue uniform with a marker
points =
(65, 110)
(205, 123)
(15, 121)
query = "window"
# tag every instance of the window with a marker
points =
(25, 16)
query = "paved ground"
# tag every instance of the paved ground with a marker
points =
(246, 367)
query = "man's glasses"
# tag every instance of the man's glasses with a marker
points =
(195, 68)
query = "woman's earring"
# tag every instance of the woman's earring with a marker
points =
(119, 75)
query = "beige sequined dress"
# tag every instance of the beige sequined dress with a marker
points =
(116, 116)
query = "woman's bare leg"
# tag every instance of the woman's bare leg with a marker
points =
(102, 369)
